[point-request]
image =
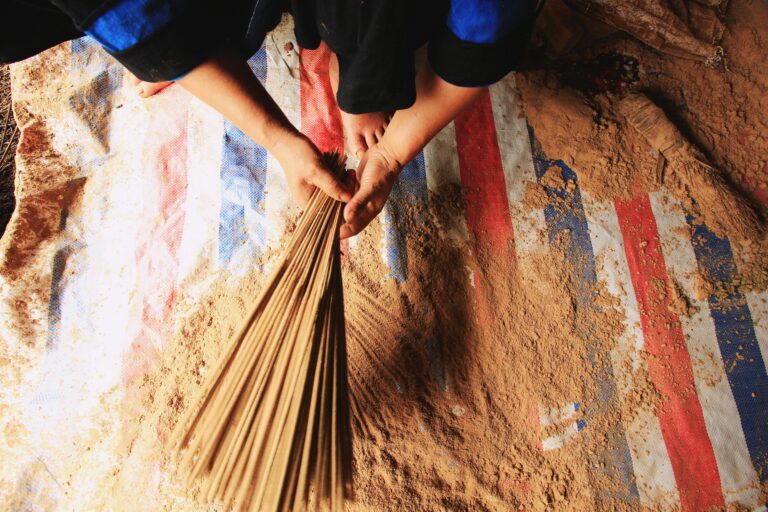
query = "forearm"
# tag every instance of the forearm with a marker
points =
(437, 104)
(226, 83)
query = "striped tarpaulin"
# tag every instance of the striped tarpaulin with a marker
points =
(148, 222)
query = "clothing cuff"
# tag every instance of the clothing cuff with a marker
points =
(468, 64)
(174, 50)
(353, 103)
(368, 84)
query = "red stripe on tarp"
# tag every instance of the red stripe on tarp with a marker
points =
(320, 116)
(165, 176)
(482, 175)
(669, 363)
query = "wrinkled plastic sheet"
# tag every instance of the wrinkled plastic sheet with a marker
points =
(129, 209)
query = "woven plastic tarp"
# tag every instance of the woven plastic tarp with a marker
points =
(133, 207)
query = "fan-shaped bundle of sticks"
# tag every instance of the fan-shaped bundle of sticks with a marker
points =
(272, 431)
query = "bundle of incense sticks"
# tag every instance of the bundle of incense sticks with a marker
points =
(272, 428)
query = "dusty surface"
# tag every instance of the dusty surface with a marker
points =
(441, 404)
(442, 387)
(719, 110)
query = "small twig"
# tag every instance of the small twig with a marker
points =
(40, 459)
(5, 121)
(8, 146)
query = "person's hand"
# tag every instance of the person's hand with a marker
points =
(376, 174)
(305, 170)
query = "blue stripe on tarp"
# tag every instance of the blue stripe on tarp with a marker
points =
(57, 288)
(410, 188)
(243, 178)
(567, 223)
(93, 101)
(437, 366)
(744, 365)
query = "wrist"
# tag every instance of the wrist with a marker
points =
(283, 142)
(389, 154)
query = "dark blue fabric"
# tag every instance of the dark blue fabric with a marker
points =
(486, 21)
(129, 22)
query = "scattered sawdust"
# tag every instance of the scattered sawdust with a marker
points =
(446, 371)
(680, 304)
(417, 355)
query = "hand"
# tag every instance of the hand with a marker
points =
(376, 174)
(305, 170)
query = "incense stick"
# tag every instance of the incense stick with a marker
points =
(271, 431)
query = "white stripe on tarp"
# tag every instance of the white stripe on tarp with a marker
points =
(737, 474)
(516, 160)
(559, 440)
(441, 163)
(199, 248)
(79, 381)
(653, 469)
(529, 225)
(284, 87)
(758, 306)
(549, 416)
(441, 160)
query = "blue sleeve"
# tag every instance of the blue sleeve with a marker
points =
(128, 22)
(486, 21)
(156, 40)
(481, 40)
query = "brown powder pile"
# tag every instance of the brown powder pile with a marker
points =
(719, 112)
(442, 399)
(449, 368)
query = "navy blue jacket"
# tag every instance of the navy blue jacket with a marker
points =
(470, 43)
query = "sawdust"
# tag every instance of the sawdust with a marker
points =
(718, 113)
(450, 369)
(444, 403)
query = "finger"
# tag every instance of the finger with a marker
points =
(350, 210)
(357, 146)
(345, 231)
(370, 140)
(329, 184)
(366, 203)
(363, 216)
(147, 89)
(379, 133)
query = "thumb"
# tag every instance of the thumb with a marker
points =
(365, 204)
